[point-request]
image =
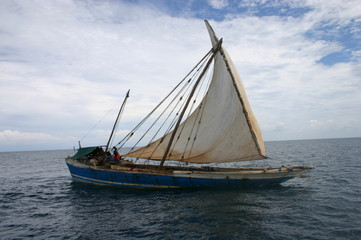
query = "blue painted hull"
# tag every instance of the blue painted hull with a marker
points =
(144, 180)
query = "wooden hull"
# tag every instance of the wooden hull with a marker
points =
(150, 178)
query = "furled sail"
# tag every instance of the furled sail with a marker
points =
(226, 131)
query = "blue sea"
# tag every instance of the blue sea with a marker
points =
(39, 200)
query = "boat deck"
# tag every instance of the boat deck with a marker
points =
(166, 170)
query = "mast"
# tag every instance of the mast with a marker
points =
(116, 121)
(215, 50)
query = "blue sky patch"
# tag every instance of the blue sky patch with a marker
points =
(336, 57)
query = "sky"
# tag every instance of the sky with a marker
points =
(65, 66)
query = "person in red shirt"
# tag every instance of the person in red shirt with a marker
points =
(116, 154)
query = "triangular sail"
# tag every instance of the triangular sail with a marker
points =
(227, 130)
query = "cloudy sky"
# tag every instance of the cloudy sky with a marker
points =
(66, 65)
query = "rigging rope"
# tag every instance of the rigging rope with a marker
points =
(189, 113)
(200, 120)
(173, 122)
(131, 133)
(158, 119)
(100, 120)
(201, 109)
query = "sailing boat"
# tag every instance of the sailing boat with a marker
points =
(221, 129)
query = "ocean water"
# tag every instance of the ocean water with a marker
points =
(39, 200)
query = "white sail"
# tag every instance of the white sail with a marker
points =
(226, 129)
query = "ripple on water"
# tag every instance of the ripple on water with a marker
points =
(43, 203)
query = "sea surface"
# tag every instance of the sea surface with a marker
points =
(38, 200)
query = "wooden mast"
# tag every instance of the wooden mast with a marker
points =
(215, 50)
(116, 121)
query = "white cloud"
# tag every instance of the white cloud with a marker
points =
(218, 4)
(16, 136)
(276, 127)
(17, 140)
(315, 123)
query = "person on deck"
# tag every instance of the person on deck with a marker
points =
(116, 154)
